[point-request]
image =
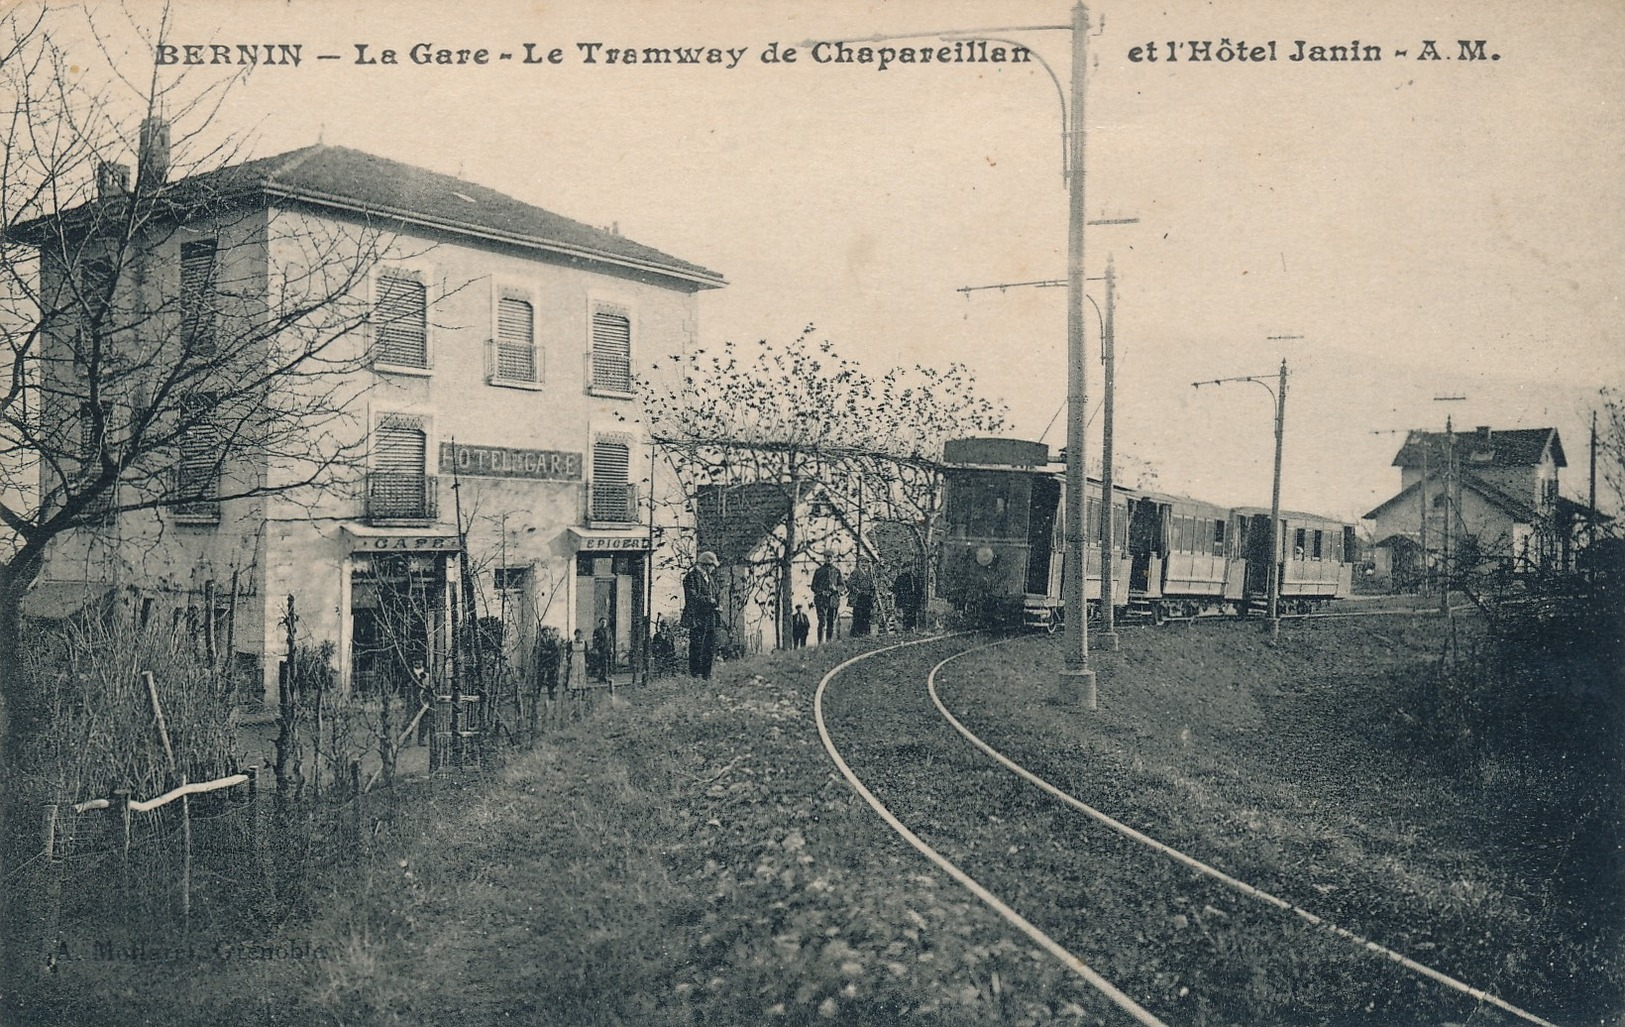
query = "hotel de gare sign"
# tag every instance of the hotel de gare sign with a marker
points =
(508, 462)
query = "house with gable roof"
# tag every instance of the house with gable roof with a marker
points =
(1491, 495)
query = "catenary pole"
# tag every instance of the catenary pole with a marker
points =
(1108, 535)
(1275, 508)
(1077, 680)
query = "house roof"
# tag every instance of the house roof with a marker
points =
(1520, 510)
(1482, 447)
(339, 178)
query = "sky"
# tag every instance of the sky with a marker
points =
(1449, 228)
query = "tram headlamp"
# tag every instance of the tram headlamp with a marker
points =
(985, 556)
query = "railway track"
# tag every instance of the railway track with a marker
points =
(1160, 936)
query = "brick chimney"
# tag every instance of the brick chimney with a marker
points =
(1483, 432)
(153, 165)
(111, 179)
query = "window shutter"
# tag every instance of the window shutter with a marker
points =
(398, 467)
(198, 477)
(197, 297)
(516, 340)
(401, 320)
(611, 351)
(611, 463)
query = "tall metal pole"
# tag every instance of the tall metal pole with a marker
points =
(1108, 554)
(1444, 550)
(1077, 681)
(1275, 508)
(1422, 571)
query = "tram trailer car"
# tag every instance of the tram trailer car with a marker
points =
(1175, 557)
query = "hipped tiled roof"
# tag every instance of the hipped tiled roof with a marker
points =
(340, 178)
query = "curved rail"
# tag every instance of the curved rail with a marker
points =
(1202, 868)
(1049, 944)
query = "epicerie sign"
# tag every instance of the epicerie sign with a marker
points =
(507, 462)
(590, 544)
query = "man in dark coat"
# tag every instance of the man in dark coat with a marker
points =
(799, 627)
(905, 590)
(826, 586)
(860, 590)
(700, 599)
(603, 649)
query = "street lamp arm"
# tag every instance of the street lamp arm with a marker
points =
(1255, 379)
(1060, 93)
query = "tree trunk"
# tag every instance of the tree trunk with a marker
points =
(21, 717)
(787, 560)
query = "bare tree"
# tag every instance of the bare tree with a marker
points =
(168, 340)
(802, 421)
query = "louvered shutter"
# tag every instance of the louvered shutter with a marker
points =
(611, 352)
(401, 320)
(611, 492)
(198, 480)
(197, 297)
(398, 470)
(611, 463)
(516, 340)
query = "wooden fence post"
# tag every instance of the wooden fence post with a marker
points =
(121, 799)
(186, 861)
(355, 807)
(50, 915)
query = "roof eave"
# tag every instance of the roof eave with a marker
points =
(701, 277)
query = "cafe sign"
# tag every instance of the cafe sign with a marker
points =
(405, 544)
(509, 462)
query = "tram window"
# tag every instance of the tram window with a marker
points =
(1218, 538)
(1297, 543)
(1319, 542)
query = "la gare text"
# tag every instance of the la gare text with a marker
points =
(1202, 51)
(880, 58)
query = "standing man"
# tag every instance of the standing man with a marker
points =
(700, 599)
(826, 586)
(800, 626)
(860, 589)
(603, 647)
(905, 590)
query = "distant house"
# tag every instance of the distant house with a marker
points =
(1503, 508)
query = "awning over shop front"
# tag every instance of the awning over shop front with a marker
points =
(592, 540)
(370, 539)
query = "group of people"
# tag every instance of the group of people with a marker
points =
(701, 599)
(575, 663)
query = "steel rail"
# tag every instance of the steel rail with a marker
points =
(1050, 945)
(1202, 868)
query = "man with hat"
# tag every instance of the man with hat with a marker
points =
(826, 586)
(700, 600)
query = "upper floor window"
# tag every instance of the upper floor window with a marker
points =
(400, 319)
(399, 486)
(611, 352)
(197, 297)
(197, 473)
(513, 358)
